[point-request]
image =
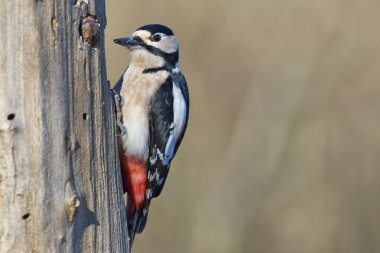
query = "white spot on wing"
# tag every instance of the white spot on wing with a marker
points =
(169, 149)
(153, 157)
(153, 176)
(161, 155)
(161, 181)
(149, 193)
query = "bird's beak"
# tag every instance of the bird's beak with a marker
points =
(128, 41)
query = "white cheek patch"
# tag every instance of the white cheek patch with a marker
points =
(169, 44)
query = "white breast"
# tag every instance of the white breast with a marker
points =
(137, 91)
(136, 141)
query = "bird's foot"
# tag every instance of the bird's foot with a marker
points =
(119, 101)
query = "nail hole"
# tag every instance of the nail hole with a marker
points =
(80, 27)
(25, 216)
(85, 116)
(11, 116)
(54, 23)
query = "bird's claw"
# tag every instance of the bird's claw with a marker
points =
(119, 102)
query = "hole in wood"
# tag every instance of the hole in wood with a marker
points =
(80, 27)
(11, 116)
(26, 216)
(89, 29)
(85, 116)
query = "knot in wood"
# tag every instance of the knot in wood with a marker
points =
(72, 205)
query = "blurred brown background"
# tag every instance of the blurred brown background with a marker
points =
(282, 152)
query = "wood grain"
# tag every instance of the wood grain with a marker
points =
(60, 187)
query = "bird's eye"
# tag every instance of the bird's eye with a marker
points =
(156, 37)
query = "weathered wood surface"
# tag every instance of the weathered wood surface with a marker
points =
(60, 190)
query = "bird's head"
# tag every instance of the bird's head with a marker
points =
(152, 43)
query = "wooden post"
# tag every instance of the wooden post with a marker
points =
(60, 186)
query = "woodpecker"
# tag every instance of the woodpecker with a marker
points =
(155, 114)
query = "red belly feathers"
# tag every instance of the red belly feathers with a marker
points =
(134, 179)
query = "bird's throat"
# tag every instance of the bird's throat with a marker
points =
(142, 58)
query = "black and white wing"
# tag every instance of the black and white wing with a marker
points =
(168, 116)
(169, 113)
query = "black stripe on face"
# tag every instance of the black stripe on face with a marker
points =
(170, 59)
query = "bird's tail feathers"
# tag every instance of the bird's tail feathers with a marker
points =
(136, 222)
(142, 221)
(132, 221)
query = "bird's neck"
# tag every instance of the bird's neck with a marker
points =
(145, 60)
